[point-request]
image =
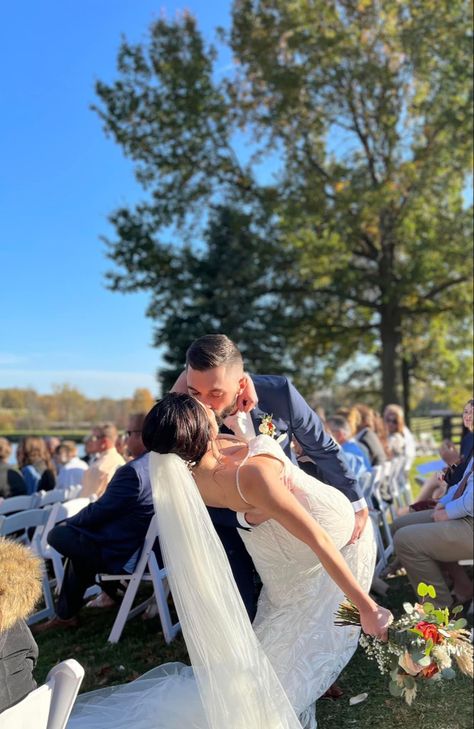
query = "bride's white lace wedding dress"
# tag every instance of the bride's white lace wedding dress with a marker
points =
(294, 624)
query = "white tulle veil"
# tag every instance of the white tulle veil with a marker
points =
(238, 687)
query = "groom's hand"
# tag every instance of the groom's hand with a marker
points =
(248, 398)
(360, 522)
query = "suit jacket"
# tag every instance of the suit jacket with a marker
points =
(293, 417)
(119, 520)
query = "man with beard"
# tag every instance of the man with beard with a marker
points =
(215, 375)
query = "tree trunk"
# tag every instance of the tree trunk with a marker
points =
(406, 389)
(389, 357)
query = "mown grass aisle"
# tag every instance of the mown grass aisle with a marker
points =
(439, 706)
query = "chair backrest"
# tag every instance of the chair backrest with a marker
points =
(50, 705)
(32, 711)
(60, 512)
(18, 503)
(67, 677)
(22, 521)
(72, 492)
(46, 498)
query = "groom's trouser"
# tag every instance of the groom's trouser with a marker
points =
(83, 562)
(423, 545)
(242, 567)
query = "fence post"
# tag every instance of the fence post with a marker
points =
(446, 427)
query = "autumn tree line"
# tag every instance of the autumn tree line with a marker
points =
(66, 408)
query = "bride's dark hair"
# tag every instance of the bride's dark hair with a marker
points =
(177, 424)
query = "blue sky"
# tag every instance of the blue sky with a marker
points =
(60, 179)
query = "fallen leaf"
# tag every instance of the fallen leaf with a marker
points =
(357, 699)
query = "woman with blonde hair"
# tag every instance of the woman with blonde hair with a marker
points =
(20, 590)
(400, 439)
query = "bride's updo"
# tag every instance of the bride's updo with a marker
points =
(177, 424)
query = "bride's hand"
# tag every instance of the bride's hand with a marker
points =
(375, 621)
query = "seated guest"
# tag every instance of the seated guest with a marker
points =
(90, 448)
(52, 443)
(134, 446)
(400, 439)
(20, 590)
(121, 446)
(98, 475)
(12, 482)
(436, 485)
(424, 540)
(72, 468)
(106, 536)
(366, 435)
(35, 464)
(356, 458)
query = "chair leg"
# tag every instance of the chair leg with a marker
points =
(161, 588)
(121, 617)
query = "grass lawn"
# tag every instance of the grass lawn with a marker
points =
(447, 705)
(439, 706)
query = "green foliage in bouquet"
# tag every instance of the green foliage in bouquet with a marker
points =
(421, 644)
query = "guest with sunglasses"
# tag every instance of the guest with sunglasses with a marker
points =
(400, 439)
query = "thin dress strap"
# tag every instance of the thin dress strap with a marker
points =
(237, 482)
(260, 445)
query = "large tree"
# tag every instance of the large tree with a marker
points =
(363, 111)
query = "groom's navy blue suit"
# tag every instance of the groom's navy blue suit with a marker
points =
(292, 416)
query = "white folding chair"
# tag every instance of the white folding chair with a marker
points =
(59, 512)
(47, 498)
(160, 585)
(18, 503)
(379, 511)
(49, 706)
(21, 523)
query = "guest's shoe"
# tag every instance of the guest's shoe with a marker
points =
(333, 692)
(101, 601)
(55, 624)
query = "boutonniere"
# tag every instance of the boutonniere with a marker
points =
(267, 427)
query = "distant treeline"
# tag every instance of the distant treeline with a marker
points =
(24, 410)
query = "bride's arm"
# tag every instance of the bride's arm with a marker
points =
(261, 485)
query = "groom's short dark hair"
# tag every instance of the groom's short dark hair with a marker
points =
(212, 350)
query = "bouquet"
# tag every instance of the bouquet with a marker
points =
(421, 644)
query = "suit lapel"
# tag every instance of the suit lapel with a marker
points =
(257, 414)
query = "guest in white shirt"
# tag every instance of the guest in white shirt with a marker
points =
(98, 475)
(72, 468)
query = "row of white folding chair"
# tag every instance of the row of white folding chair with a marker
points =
(58, 512)
(18, 526)
(379, 512)
(41, 521)
(38, 500)
(50, 705)
(157, 576)
(398, 484)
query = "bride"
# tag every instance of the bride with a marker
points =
(265, 676)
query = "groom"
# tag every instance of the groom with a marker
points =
(215, 376)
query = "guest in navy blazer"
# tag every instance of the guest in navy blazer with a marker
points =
(106, 536)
